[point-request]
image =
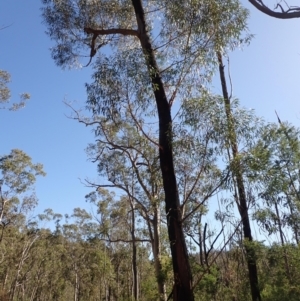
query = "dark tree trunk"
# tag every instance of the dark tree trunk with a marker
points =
(290, 13)
(287, 269)
(242, 203)
(182, 273)
(134, 253)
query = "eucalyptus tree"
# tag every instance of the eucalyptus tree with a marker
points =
(267, 162)
(275, 165)
(26, 255)
(78, 228)
(127, 157)
(232, 128)
(46, 280)
(239, 184)
(157, 50)
(122, 229)
(18, 232)
(5, 94)
(18, 175)
(271, 169)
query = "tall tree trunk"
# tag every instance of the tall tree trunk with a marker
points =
(157, 255)
(242, 202)
(287, 269)
(292, 185)
(76, 284)
(295, 227)
(182, 273)
(134, 253)
(201, 242)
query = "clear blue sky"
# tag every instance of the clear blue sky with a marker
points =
(265, 75)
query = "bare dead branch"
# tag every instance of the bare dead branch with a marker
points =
(124, 240)
(216, 257)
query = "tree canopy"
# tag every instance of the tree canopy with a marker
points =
(197, 197)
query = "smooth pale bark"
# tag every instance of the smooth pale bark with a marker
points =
(23, 257)
(156, 247)
(134, 252)
(76, 284)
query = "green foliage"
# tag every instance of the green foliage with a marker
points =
(4, 91)
(278, 285)
(18, 175)
(185, 36)
(18, 172)
(274, 167)
(5, 94)
(45, 264)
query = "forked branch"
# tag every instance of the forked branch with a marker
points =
(289, 13)
(103, 32)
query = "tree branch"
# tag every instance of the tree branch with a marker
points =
(102, 32)
(290, 13)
